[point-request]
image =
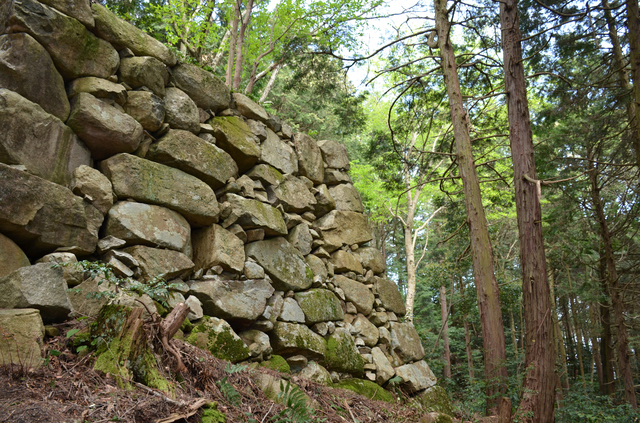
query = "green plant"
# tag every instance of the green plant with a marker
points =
(296, 408)
(227, 389)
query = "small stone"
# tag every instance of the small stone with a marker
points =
(320, 328)
(238, 231)
(370, 375)
(255, 235)
(308, 216)
(253, 270)
(196, 308)
(297, 363)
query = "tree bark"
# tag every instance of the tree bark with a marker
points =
(270, 84)
(246, 17)
(513, 334)
(232, 42)
(482, 253)
(537, 403)
(633, 24)
(563, 373)
(444, 313)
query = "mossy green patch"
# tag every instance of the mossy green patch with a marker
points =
(211, 414)
(319, 305)
(217, 337)
(342, 354)
(435, 399)
(366, 389)
(277, 363)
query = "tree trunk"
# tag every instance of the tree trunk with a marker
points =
(444, 313)
(595, 347)
(563, 374)
(482, 254)
(237, 78)
(633, 23)
(538, 388)
(624, 364)
(232, 42)
(270, 84)
(579, 332)
(513, 334)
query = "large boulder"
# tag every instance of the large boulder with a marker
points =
(103, 128)
(213, 245)
(384, 369)
(253, 214)
(294, 195)
(99, 88)
(334, 154)
(235, 137)
(316, 373)
(40, 286)
(416, 376)
(122, 34)
(147, 108)
(249, 108)
(324, 201)
(39, 141)
(145, 224)
(41, 216)
(346, 198)
(79, 9)
(357, 293)
(367, 330)
(180, 111)
(292, 339)
(93, 186)
(344, 261)
(217, 336)
(149, 182)
(371, 258)
(319, 305)
(405, 342)
(88, 298)
(235, 301)
(144, 71)
(206, 89)
(300, 237)
(27, 69)
(390, 295)
(282, 262)
(291, 312)
(75, 51)
(156, 262)
(11, 256)
(22, 332)
(309, 158)
(195, 156)
(342, 355)
(318, 267)
(339, 228)
(278, 154)
(267, 175)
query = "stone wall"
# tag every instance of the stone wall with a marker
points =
(112, 150)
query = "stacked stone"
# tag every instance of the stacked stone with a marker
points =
(114, 151)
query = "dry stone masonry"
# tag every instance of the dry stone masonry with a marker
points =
(111, 150)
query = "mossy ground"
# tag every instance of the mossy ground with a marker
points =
(366, 389)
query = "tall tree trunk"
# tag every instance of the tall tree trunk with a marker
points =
(538, 388)
(513, 334)
(482, 253)
(232, 42)
(624, 364)
(579, 332)
(563, 374)
(270, 84)
(595, 349)
(237, 77)
(570, 340)
(444, 313)
(633, 24)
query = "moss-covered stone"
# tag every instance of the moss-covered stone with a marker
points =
(216, 336)
(291, 339)
(342, 355)
(366, 389)
(235, 137)
(211, 414)
(283, 262)
(319, 305)
(277, 363)
(435, 399)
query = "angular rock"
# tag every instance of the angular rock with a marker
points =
(338, 228)
(309, 158)
(291, 312)
(316, 373)
(324, 202)
(155, 262)
(389, 295)
(384, 369)
(39, 141)
(149, 182)
(300, 238)
(85, 302)
(27, 69)
(282, 262)
(124, 35)
(346, 198)
(235, 137)
(195, 305)
(278, 154)
(216, 336)
(342, 355)
(253, 270)
(93, 186)
(147, 108)
(291, 339)
(368, 331)
(195, 156)
(144, 224)
(108, 243)
(294, 195)
(99, 88)
(11, 256)
(180, 111)
(335, 176)
(206, 89)
(405, 342)
(266, 174)
(25, 330)
(371, 258)
(250, 109)
(40, 286)
(416, 376)
(344, 261)
(144, 71)
(317, 266)
(257, 341)
(75, 51)
(103, 128)
(214, 245)
(357, 293)
(79, 9)
(253, 214)
(41, 216)
(235, 301)
(319, 305)
(334, 154)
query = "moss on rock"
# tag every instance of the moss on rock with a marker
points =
(435, 399)
(342, 355)
(216, 336)
(277, 363)
(366, 389)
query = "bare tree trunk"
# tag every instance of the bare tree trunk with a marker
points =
(232, 42)
(237, 78)
(444, 313)
(563, 374)
(270, 84)
(633, 23)
(513, 334)
(482, 253)
(537, 403)
(596, 349)
(579, 332)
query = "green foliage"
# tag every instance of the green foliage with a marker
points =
(227, 389)
(582, 405)
(296, 407)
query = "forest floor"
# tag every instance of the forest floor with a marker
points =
(68, 389)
